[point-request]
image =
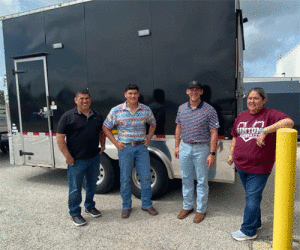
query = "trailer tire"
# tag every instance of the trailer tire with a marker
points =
(159, 179)
(3, 145)
(4, 148)
(106, 177)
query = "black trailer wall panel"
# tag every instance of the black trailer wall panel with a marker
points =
(194, 40)
(116, 54)
(67, 67)
(102, 51)
(22, 36)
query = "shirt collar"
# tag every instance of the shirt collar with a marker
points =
(264, 108)
(126, 108)
(80, 113)
(198, 107)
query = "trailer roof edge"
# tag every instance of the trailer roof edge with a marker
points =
(56, 6)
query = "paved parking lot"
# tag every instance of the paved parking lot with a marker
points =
(34, 215)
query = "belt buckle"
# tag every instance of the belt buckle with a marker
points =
(132, 143)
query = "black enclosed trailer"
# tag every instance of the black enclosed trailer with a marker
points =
(53, 52)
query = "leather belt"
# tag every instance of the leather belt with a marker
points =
(195, 143)
(134, 143)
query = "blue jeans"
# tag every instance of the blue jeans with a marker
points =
(254, 185)
(130, 157)
(82, 168)
(192, 159)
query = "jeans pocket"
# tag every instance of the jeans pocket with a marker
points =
(121, 152)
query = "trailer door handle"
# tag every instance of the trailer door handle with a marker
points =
(14, 72)
(25, 153)
(44, 113)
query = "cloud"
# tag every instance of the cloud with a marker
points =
(265, 8)
(265, 34)
(272, 31)
(8, 7)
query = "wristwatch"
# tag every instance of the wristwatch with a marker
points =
(212, 153)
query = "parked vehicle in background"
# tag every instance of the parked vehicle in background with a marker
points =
(53, 52)
(3, 124)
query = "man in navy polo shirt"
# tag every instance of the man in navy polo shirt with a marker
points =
(197, 127)
(82, 129)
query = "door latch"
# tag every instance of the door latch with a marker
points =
(25, 153)
(44, 113)
(14, 72)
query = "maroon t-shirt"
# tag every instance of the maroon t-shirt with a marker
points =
(248, 156)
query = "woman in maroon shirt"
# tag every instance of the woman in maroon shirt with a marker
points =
(253, 152)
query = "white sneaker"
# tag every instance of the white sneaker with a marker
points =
(239, 236)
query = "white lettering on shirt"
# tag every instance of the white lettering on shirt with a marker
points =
(248, 133)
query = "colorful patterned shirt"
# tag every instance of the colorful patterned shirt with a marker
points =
(130, 127)
(197, 123)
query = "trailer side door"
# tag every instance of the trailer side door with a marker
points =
(33, 134)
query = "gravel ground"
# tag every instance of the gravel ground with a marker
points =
(34, 215)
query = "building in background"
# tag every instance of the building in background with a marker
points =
(289, 64)
(283, 89)
(283, 93)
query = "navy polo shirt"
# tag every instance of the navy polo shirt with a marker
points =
(197, 123)
(82, 133)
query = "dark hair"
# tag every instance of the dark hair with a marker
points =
(131, 86)
(260, 91)
(83, 92)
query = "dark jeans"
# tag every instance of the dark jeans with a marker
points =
(254, 185)
(82, 168)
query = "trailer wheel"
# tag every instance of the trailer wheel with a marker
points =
(159, 179)
(4, 148)
(106, 177)
(3, 145)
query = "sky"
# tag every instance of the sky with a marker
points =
(272, 30)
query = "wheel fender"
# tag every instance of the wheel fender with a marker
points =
(165, 160)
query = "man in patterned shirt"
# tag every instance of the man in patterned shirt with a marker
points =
(130, 118)
(197, 127)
